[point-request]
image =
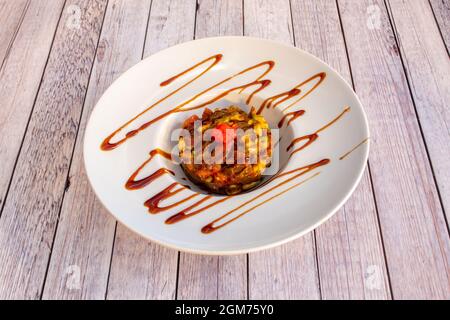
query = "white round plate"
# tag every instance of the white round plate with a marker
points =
(275, 213)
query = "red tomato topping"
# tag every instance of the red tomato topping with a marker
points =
(189, 121)
(225, 133)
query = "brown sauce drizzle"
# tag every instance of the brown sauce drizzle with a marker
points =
(210, 226)
(108, 145)
(303, 170)
(260, 83)
(269, 102)
(310, 138)
(133, 184)
(293, 115)
(186, 213)
(321, 76)
(353, 149)
(153, 204)
(216, 59)
(292, 93)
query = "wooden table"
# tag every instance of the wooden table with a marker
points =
(389, 241)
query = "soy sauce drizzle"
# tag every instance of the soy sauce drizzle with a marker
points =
(353, 149)
(259, 84)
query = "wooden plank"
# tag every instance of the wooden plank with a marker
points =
(232, 277)
(427, 67)
(219, 18)
(288, 271)
(441, 10)
(212, 277)
(171, 22)
(20, 76)
(11, 16)
(349, 247)
(209, 277)
(85, 234)
(30, 214)
(140, 269)
(412, 222)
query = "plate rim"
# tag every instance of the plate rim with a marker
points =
(252, 249)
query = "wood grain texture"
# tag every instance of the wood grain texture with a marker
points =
(141, 269)
(219, 18)
(349, 247)
(171, 22)
(32, 205)
(427, 67)
(288, 271)
(412, 222)
(212, 277)
(198, 277)
(441, 10)
(202, 277)
(285, 272)
(85, 234)
(11, 17)
(58, 242)
(20, 76)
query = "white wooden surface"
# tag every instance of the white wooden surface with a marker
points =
(389, 241)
